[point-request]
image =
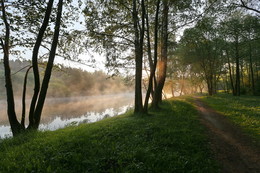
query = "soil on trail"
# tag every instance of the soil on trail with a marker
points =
(233, 149)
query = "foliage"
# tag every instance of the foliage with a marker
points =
(25, 17)
(223, 52)
(171, 140)
(243, 110)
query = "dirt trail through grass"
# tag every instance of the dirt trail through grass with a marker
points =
(234, 150)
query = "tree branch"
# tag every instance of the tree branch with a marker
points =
(112, 35)
(24, 96)
(243, 5)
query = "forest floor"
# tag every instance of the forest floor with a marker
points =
(233, 149)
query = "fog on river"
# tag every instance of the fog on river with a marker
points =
(62, 112)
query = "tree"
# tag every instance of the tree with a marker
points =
(114, 36)
(200, 48)
(250, 30)
(137, 36)
(152, 62)
(162, 63)
(225, 49)
(233, 32)
(40, 94)
(139, 27)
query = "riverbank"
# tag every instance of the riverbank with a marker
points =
(62, 112)
(169, 140)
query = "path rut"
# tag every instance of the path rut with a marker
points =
(232, 148)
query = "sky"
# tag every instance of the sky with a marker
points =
(99, 65)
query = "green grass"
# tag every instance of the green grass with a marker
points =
(169, 140)
(242, 110)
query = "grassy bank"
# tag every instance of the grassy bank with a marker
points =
(243, 110)
(169, 140)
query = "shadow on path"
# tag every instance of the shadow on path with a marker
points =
(233, 149)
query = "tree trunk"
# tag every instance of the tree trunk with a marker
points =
(237, 70)
(242, 75)
(16, 127)
(139, 37)
(47, 75)
(24, 97)
(35, 111)
(230, 75)
(162, 64)
(35, 63)
(210, 85)
(154, 62)
(172, 89)
(251, 69)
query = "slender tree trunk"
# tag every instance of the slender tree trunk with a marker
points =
(249, 75)
(35, 63)
(214, 84)
(152, 63)
(226, 84)
(242, 75)
(16, 127)
(210, 87)
(24, 97)
(139, 37)
(237, 69)
(162, 64)
(251, 69)
(230, 74)
(47, 75)
(172, 89)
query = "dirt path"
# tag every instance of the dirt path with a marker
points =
(232, 148)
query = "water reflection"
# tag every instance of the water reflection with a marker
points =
(62, 112)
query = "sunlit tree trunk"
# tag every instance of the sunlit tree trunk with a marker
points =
(154, 62)
(162, 63)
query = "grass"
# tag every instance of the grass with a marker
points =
(243, 111)
(169, 140)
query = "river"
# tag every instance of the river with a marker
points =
(62, 112)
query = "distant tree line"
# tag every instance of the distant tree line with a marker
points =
(221, 55)
(66, 82)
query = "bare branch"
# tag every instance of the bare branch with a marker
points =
(243, 5)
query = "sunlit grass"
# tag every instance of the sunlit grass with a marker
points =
(169, 140)
(243, 110)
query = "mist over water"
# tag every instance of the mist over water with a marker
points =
(62, 112)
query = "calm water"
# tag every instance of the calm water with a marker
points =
(62, 112)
